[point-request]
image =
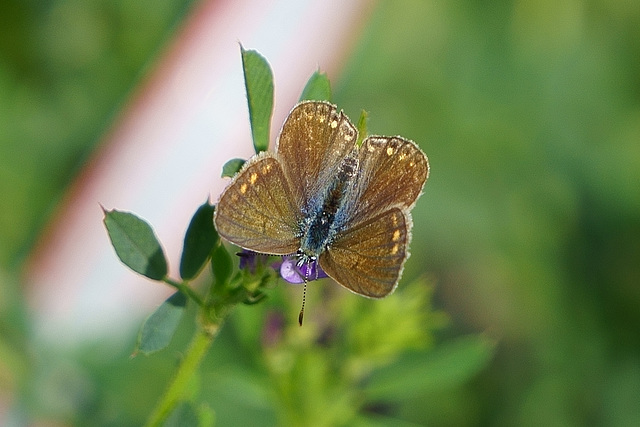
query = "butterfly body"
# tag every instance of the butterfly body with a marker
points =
(321, 197)
(326, 218)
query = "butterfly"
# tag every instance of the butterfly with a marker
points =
(323, 198)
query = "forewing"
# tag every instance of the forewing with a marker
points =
(313, 141)
(392, 173)
(368, 259)
(256, 210)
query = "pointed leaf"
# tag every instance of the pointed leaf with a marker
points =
(136, 244)
(258, 80)
(199, 240)
(318, 88)
(232, 167)
(158, 329)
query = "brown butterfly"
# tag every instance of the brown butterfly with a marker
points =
(324, 199)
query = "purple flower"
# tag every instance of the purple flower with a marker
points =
(296, 274)
(290, 267)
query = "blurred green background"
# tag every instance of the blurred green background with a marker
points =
(529, 228)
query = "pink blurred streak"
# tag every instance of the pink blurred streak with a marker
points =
(163, 156)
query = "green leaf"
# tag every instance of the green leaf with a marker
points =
(362, 127)
(206, 416)
(258, 80)
(184, 415)
(199, 241)
(318, 88)
(444, 367)
(136, 244)
(255, 298)
(232, 167)
(158, 329)
(221, 267)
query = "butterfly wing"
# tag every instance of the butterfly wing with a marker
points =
(393, 171)
(368, 254)
(314, 140)
(256, 210)
(368, 259)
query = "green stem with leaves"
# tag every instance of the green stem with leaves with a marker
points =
(185, 289)
(192, 359)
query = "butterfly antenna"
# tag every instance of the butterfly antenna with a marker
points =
(304, 298)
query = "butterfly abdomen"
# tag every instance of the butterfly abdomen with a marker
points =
(320, 226)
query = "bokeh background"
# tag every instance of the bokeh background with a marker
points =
(528, 230)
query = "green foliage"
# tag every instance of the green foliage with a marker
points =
(232, 167)
(158, 329)
(258, 80)
(528, 112)
(67, 67)
(185, 415)
(318, 88)
(322, 373)
(199, 241)
(329, 362)
(419, 373)
(362, 127)
(221, 267)
(136, 244)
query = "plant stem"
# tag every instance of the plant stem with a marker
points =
(175, 392)
(181, 286)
